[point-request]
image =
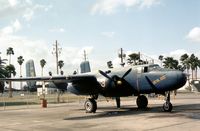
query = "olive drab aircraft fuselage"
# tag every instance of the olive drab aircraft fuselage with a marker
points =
(121, 82)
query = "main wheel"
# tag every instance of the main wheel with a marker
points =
(90, 106)
(167, 106)
(142, 102)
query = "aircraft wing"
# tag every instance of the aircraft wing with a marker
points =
(68, 79)
(46, 79)
(83, 84)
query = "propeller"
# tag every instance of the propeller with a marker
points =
(151, 84)
(105, 75)
(127, 72)
(116, 79)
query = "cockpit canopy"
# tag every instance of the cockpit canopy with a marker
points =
(147, 68)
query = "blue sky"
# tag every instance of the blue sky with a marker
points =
(153, 27)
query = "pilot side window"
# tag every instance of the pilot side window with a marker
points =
(142, 69)
(145, 69)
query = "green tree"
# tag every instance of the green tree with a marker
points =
(161, 57)
(193, 60)
(20, 60)
(60, 65)
(3, 73)
(185, 62)
(42, 64)
(171, 63)
(10, 52)
(133, 58)
(11, 70)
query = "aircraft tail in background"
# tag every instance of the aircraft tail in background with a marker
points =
(85, 67)
(30, 72)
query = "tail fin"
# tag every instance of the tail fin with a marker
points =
(30, 72)
(85, 67)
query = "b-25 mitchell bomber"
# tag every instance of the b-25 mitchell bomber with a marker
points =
(122, 82)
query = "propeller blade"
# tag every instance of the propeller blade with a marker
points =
(127, 72)
(152, 85)
(104, 74)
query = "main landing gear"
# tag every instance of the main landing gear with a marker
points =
(167, 106)
(91, 105)
(142, 101)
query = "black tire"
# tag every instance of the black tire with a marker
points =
(167, 106)
(90, 106)
(142, 102)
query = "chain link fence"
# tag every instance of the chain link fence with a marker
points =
(23, 100)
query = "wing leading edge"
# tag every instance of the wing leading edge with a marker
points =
(80, 84)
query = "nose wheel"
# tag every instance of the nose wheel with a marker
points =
(167, 106)
(90, 105)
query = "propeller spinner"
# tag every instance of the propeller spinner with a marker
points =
(116, 79)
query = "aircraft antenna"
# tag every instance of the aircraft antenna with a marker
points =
(121, 55)
(57, 52)
(85, 55)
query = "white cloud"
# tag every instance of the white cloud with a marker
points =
(194, 34)
(6, 30)
(111, 6)
(21, 8)
(17, 25)
(149, 3)
(176, 54)
(14, 27)
(13, 2)
(108, 34)
(61, 30)
(28, 14)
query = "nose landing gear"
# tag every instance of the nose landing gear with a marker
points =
(167, 106)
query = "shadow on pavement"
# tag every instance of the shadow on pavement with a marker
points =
(191, 111)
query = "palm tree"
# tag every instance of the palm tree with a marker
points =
(20, 60)
(170, 62)
(3, 74)
(60, 65)
(42, 64)
(161, 57)
(10, 52)
(185, 62)
(198, 65)
(11, 70)
(193, 64)
(133, 58)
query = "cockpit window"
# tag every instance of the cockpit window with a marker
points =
(142, 69)
(154, 67)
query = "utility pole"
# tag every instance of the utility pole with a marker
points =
(57, 52)
(85, 55)
(122, 56)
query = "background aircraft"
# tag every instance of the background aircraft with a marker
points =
(122, 82)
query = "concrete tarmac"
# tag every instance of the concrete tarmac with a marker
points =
(71, 116)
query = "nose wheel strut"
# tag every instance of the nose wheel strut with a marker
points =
(167, 106)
